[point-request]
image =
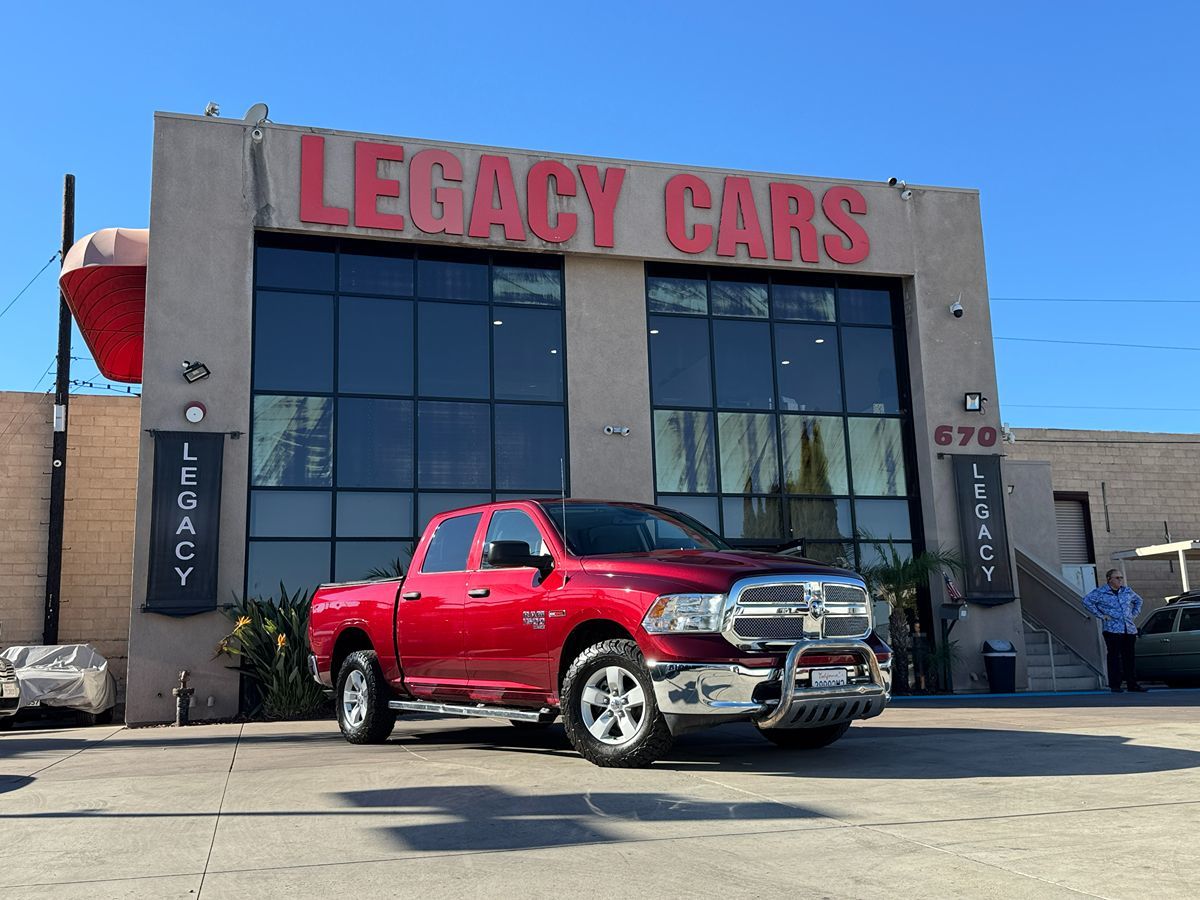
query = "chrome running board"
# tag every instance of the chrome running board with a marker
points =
(488, 712)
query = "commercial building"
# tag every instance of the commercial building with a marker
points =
(344, 334)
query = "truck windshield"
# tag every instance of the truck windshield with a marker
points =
(600, 529)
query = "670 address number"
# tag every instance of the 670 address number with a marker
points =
(944, 435)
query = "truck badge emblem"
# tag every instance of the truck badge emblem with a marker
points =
(816, 608)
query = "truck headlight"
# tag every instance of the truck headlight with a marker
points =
(675, 613)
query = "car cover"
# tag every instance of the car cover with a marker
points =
(70, 675)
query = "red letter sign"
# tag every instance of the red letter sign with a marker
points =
(495, 175)
(312, 185)
(602, 195)
(422, 195)
(369, 187)
(859, 244)
(677, 229)
(784, 219)
(538, 198)
(737, 201)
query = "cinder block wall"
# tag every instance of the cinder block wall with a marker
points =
(102, 462)
(102, 467)
(1148, 478)
(26, 421)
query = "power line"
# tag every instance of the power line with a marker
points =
(1078, 300)
(31, 281)
(104, 387)
(1112, 345)
(1073, 406)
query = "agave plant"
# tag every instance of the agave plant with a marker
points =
(270, 637)
(897, 579)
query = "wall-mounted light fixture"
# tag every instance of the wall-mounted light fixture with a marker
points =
(194, 371)
(973, 401)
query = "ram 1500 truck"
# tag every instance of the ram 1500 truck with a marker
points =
(632, 622)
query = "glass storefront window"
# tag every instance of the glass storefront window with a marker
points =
(743, 365)
(877, 456)
(293, 442)
(375, 346)
(703, 509)
(814, 455)
(292, 346)
(374, 443)
(386, 390)
(799, 362)
(684, 459)
(680, 366)
(749, 463)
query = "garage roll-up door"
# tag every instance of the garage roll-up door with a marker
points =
(1072, 532)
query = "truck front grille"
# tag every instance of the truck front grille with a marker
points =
(772, 628)
(784, 594)
(844, 593)
(846, 626)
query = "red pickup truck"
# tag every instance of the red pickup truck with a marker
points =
(632, 622)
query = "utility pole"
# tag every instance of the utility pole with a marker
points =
(58, 462)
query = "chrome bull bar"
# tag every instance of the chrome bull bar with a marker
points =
(815, 707)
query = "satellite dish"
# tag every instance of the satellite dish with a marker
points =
(256, 115)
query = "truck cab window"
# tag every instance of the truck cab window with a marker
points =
(514, 525)
(451, 544)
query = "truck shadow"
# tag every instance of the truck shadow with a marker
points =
(480, 818)
(866, 752)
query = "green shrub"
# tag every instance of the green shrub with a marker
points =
(270, 636)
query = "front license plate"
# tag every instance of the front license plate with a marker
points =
(828, 677)
(10, 690)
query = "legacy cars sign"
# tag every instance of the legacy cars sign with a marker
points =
(439, 191)
(184, 522)
(988, 575)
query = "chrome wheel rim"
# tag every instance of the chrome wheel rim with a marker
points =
(354, 699)
(613, 705)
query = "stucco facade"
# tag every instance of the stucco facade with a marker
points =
(215, 184)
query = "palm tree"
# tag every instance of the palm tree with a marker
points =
(897, 579)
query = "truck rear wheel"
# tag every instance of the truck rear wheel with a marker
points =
(609, 710)
(804, 738)
(362, 697)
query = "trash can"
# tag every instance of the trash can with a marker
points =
(1000, 658)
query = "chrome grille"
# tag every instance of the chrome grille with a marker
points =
(773, 593)
(786, 628)
(846, 626)
(844, 593)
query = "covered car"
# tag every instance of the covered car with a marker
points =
(10, 691)
(65, 676)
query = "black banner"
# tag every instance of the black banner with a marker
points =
(988, 575)
(185, 522)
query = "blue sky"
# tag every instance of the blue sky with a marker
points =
(1076, 121)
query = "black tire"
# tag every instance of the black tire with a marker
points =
(650, 741)
(804, 738)
(372, 721)
(7, 722)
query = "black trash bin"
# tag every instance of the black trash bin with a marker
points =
(1000, 658)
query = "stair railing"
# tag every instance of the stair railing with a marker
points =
(1050, 645)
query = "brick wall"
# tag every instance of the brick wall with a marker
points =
(1148, 478)
(102, 465)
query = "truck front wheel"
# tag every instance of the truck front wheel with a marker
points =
(609, 710)
(362, 710)
(804, 738)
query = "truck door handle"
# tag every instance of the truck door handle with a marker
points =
(411, 595)
(478, 592)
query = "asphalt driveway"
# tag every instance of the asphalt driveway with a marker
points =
(1039, 797)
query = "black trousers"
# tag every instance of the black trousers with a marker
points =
(1120, 659)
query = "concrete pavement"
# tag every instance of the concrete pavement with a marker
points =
(1037, 797)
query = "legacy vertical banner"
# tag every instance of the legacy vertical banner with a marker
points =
(988, 575)
(184, 522)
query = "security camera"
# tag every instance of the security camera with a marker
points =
(892, 182)
(957, 309)
(906, 195)
(256, 135)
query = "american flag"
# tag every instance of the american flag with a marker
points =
(954, 593)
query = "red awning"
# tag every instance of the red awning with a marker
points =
(104, 281)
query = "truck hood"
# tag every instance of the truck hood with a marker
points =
(712, 571)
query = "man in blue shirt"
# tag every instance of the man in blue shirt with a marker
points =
(1116, 606)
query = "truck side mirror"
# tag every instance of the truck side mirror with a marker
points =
(515, 554)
